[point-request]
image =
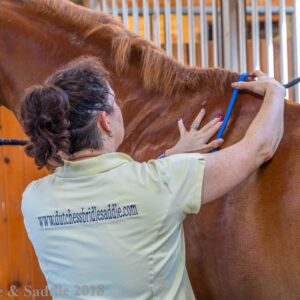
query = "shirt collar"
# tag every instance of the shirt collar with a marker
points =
(92, 165)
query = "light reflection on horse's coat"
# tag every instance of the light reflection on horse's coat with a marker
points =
(244, 246)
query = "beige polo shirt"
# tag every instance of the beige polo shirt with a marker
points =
(109, 227)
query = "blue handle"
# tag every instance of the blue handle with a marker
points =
(235, 93)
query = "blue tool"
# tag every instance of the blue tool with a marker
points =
(235, 93)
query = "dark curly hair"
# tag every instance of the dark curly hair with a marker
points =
(61, 114)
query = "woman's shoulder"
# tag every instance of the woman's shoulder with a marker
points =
(34, 193)
(37, 185)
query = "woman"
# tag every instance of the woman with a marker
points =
(104, 226)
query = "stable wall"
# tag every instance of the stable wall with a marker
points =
(18, 264)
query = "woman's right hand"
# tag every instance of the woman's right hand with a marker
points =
(259, 86)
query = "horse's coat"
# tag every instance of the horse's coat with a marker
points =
(243, 246)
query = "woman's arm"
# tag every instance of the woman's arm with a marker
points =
(227, 168)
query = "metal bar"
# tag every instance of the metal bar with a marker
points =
(226, 35)
(146, 19)
(104, 6)
(242, 36)
(255, 36)
(156, 10)
(220, 34)
(135, 13)
(12, 142)
(269, 38)
(214, 33)
(275, 10)
(168, 31)
(192, 59)
(92, 4)
(283, 45)
(260, 10)
(180, 52)
(115, 8)
(125, 13)
(234, 45)
(204, 37)
(98, 6)
(296, 47)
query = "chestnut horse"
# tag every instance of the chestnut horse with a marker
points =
(243, 246)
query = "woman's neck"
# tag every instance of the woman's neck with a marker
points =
(82, 154)
(86, 153)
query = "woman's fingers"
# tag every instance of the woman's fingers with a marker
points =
(214, 144)
(181, 126)
(198, 119)
(210, 124)
(249, 84)
(259, 86)
(257, 73)
(213, 130)
(241, 85)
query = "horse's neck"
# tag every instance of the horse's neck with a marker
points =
(155, 129)
(43, 42)
(26, 57)
(29, 55)
(32, 49)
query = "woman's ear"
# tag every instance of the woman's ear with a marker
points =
(103, 122)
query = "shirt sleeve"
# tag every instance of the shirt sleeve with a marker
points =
(26, 208)
(183, 174)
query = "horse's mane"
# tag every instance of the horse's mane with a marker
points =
(171, 78)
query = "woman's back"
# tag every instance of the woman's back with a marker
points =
(112, 227)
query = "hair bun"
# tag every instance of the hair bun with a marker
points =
(45, 116)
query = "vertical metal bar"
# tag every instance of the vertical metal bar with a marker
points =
(255, 36)
(98, 5)
(220, 34)
(242, 36)
(156, 9)
(168, 31)
(204, 37)
(234, 37)
(125, 13)
(115, 9)
(95, 4)
(146, 19)
(296, 48)
(269, 37)
(214, 33)
(226, 34)
(283, 43)
(192, 60)
(135, 13)
(92, 4)
(104, 6)
(180, 57)
(230, 34)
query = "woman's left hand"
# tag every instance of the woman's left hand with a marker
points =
(196, 140)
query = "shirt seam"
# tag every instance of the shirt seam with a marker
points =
(164, 179)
